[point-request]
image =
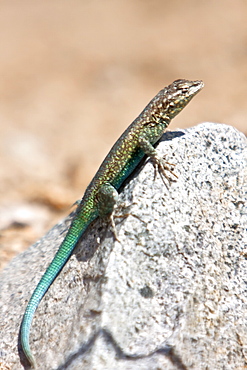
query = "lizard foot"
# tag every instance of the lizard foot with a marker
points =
(162, 166)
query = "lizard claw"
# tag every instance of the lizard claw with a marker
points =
(113, 226)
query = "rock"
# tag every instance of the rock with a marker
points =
(171, 295)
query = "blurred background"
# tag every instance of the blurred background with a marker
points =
(74, 74)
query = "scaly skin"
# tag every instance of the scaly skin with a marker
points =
(101, 195)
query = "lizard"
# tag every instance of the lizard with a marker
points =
(101, 195)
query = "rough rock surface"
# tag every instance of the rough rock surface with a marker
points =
(171, 295)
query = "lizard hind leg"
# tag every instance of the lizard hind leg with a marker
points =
(107, 200)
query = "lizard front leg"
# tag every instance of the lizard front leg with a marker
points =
(159, 162)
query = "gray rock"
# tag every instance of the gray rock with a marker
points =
(171, 295)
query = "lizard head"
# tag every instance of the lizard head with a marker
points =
(176, 96)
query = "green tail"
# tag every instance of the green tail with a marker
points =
(75, 232)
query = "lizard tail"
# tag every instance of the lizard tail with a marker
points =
(58, 262)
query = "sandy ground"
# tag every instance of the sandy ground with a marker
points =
(74, 74)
